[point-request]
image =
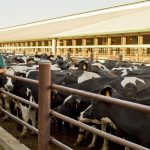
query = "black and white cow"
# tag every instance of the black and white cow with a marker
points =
(99, 68)
(130, 123)
(67, 77)
(30, 92)
(27, 91)
(102, 122)
(132, 86)
(73, 105)
(128, 88)
(19, 70)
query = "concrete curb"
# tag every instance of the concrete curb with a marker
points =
(8, 142)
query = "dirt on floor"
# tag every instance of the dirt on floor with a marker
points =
(66, 136)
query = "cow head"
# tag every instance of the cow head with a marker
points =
(107, 91)
(8, 84)
(73, 105)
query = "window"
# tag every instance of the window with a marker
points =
(116, 41)
(69, 42)
(89, 41)
(45, 43)
(132, 40)
(102, 41)
(146, 39)
(78, 41)
(61, 42)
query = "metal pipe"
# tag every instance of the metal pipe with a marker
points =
(59, 144)
(115, 101)
(44, 105)
(20, 99)
(22, 79)
(20, 121)
(99, 132)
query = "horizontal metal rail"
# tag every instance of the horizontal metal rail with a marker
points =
(20, 121)
(123, 103)
(23, 79)
(80, 46)
(20, 99)
(59, 144)
(99, 132)
(53, 140)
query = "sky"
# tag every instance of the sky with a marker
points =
(17, 12)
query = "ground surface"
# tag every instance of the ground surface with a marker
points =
(65, 136)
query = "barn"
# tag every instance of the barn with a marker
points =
(109, 33)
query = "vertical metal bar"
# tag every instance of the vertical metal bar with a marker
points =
(44, 105)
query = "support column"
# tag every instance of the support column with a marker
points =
(36, 50)
(74, 49)
(109, 49)
(31, 50)
(65, 49)
(13, 50)
(49, 49)
(83, 49)
(140, 50)
(26, 45)
(22, 49)
(53, 46)
(58, 49)
(42, 44)
(123, 42)
(95, 49)
(17, 49)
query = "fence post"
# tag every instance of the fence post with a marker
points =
(44, 98)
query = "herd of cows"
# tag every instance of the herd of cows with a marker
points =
(123, 80)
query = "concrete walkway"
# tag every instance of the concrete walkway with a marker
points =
(8, 142)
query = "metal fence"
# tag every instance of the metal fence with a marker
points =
(44, 111)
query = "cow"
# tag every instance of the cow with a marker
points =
(110, 64)
(104, 122)
(68, 77)
(128, 122)
(19, 70)
(30, 92)
(99, 68)
(132, 86)
(125, 71)
(23, 89)
(73, 105)
(15, 59)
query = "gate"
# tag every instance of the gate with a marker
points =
(44, 110)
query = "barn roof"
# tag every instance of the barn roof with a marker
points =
(121, 19)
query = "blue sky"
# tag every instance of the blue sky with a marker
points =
(16, 12)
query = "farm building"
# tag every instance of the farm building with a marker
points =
(106, 34)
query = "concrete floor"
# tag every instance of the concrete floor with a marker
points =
(8, 142)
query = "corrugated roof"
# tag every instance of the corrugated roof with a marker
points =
(128, 23)
(128, 18)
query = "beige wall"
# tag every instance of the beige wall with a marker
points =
(83, 53)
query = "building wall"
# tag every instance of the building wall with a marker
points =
(135, 47)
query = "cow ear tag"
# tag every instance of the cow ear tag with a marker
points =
(84, 67)
(107, 93)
